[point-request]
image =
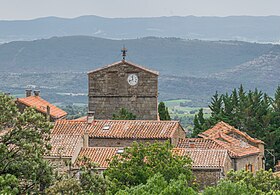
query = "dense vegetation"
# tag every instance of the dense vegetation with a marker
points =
(23, 143)
(253, 112)
(139, 169)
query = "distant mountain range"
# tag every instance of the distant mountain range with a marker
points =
(169, 56)
(242, 28)
(191, 69)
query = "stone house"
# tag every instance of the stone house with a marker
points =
(100, 140)
(123, 85)
(64, 151)
(49, 110)
(208, 165)
(122, 133)
(244, 151)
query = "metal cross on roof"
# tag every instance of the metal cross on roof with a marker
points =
(124, 50)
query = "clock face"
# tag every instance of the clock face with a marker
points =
(132, 79)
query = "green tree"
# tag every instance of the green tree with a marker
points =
(23, 143)
(231, 188)
(158, 185)
(89, 182)
(199, 123)
(140, 162)
(263, 180)
(124, 115)
(253, 112)
(163, 112)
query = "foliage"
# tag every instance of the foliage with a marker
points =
(158, 185)
(89, 182)
(140, 162)
(8, 184)
(253, 112)
(74, 112)
(245, 182)
(124, 115)
(263, 180)
(22, 146)
(199, 123)
(231, 188)
(65, 186)
(163, 112)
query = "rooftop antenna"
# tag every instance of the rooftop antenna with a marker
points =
(124, 50)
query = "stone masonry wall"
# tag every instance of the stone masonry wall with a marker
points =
(207, 177)
(109, 91)
(242, 162)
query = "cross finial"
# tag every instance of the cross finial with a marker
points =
(124, 50)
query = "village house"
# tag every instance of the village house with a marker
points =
(244, 152)
(208, 165)
(50, 111)
(72, 139)
(135, 88)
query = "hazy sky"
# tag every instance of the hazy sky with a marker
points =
(27, 9)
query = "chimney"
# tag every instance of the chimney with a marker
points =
(85, 140)
(48, 112)
(90, 117)
(28, 92)
(36, 92)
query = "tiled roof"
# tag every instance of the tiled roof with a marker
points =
(69, 127)
(221, 141)
(225, 128)
(64, 145)
(127, 63)
(41, 105)
(198, 143)
(236, 147)
(99, 155)
(204, 158)
(135, 129)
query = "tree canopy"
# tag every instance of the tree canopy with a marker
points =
(163, 112)
(23, 142)
(140, 162)
(253, 112)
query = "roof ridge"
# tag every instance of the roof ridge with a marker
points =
(124, 62)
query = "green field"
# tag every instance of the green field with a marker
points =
(180, 108)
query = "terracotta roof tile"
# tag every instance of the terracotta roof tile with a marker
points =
(99, 155)
(69, 127)
(225, 128)
(221, 141)
(41, 105)
(236, 147)
(135, 129)
(204, 158)
(198, 143)
(127, 63)
(64, 145)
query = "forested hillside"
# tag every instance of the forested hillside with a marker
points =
(245, 28)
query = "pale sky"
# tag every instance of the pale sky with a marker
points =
(29, 9)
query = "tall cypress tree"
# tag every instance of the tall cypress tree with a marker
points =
(163, 112)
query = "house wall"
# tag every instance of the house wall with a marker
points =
(242, 162)
(207, 177)
(109, 91)
(103, 142)
(179, 133)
